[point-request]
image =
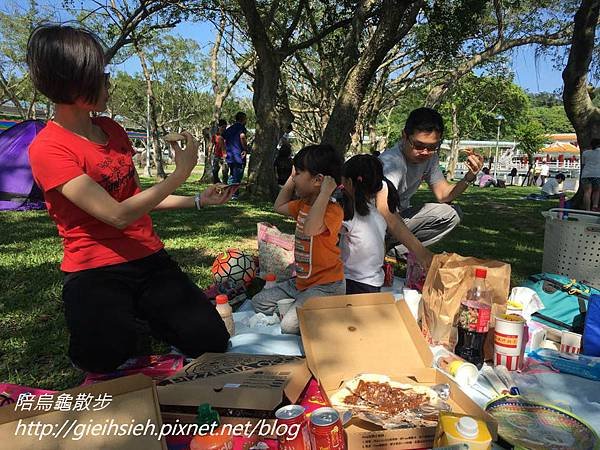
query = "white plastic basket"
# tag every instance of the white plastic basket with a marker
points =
(572, 244)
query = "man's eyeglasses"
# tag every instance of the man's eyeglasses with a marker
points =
(419, 146)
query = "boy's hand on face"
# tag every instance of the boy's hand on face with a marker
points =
(328, 185)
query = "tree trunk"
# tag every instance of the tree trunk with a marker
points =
(582, 114)
(261, 173)
(154, 134)
(396, 20)
(454, 150)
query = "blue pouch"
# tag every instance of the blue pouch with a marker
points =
(591, 331)
(565, 301)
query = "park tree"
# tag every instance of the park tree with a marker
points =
(531, 138)
(222, 83)
(472, 107)
(16, 23)
(277, 30)
(577, 94)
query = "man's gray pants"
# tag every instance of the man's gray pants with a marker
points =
(430, 224)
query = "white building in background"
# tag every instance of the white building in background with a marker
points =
(561, 154)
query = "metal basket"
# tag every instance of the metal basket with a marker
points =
(572, 244)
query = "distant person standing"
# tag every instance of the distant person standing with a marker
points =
(544, 171)
(218, 147)
(590, 176)
(236, 147)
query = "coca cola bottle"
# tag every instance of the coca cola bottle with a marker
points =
(474, 319)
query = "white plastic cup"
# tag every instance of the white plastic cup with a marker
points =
(570, 342)
(412, 297)
(284, 305)
(508, 341)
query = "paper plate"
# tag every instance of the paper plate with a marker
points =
(534, 426)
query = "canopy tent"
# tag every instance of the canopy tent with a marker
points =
(18, 191)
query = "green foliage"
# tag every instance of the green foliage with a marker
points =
(448, 23)
(479, 99)
(553, 119)
(179, 85)
(530, 135)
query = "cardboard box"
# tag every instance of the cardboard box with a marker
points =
(242, 388)
(134, 402)
(344, 336)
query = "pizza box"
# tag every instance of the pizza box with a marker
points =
(242, 388)
(347, 335)
(128, 416)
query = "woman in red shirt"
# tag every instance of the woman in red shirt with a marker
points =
(116, 269)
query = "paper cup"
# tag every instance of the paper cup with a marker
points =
(284, 305)
(508, 341)
(412, 298)
(570, 342)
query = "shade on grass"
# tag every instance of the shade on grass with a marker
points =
(33, 339)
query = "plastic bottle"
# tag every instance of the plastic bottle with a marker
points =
(462, 371)
(210, 431)
(270, 280)
(226, 313)
(473, 320)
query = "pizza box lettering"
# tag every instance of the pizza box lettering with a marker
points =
(242, 388)
(347, 335)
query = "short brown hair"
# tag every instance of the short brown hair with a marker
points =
(66, 63)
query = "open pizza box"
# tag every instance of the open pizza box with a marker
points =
(347, 335)
(127, 417)
(242, 388)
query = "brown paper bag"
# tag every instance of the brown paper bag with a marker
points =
(448, 280)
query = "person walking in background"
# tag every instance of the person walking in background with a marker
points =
(218, 152)
(236, 147)
(544, 171)
(590, 176)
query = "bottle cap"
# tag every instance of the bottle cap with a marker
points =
(221, 299)
(270, 277)
(206, 415)
(480, 273)
(467, 426)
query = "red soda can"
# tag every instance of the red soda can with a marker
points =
(296, 435)
(326, 430)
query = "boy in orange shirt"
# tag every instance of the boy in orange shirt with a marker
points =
(319, 269)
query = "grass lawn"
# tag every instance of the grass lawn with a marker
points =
(33, 339)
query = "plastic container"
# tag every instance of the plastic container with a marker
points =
(455, 429)
(579, 365)
(572, 244)
(211, 435)
(270, 280)
(226, 313)
(463, 372)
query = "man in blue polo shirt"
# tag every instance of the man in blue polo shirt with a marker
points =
(236, 148)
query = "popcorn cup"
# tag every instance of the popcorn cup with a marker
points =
(508, 341)
(570, 342)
